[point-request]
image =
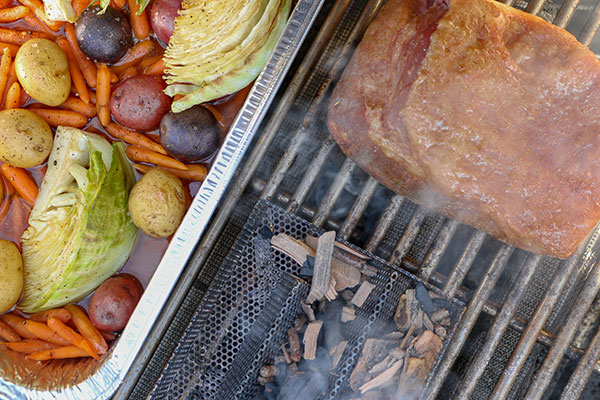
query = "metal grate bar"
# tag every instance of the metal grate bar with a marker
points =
(565, 13)
(583, 371)
(358, 208)
(468, 320)
(311, 174)
(508, 2)
(409, 235)
(463, 265)
(334, 192)
(591, 26)
(496, 332)
(535, 6)
(529, 337)
(440, 245)
(566, 335)
(384, 223)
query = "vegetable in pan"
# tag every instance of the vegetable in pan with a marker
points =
(79, 231)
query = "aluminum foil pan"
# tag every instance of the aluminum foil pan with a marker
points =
(89, 379)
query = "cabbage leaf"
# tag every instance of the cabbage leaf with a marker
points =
(79, 232)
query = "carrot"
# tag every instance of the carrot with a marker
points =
(158, 68)
(13, 96)
(108, 336)
(4, 68)
(218, 116)
(114, 78)
(139, 21)
(4, 207)
(21, 180)
(13, 13)
(5, 3)
(12, 78)
(58, 353)
(133, 137)
(75, 71)
(60, 313)
(16, 37)
(141, 154)
(42, 331)
(195, 172)
(16, 322)
(87, 329)
(80, 106)
(146, 62)
(56, 117)
(87, 66)
(103, 95)
(30, 346)
(79, 6)
(128, 73)
(37, 7)
(38, 25)
(7, 333)
(13, 48)
(137, 53)
(69, 334)
(120, 4)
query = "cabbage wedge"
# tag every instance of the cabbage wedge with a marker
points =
(218, 48)
(59, 10)
(79, 231)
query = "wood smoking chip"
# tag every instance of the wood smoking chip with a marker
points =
(362, 293)
(308, 310)
(292, 247)
(312, 242)
(337, 352)
(295, 347)
(382, 378)
(322, 273)
(346, 275)
(348, 314)
(310, 339)
(331, 293)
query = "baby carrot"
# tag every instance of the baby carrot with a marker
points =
(21, 180)
(30, 346)
(141, 154)
(195, 172)
(69, 334)
(119, 4)
(13, 48)
(37, 7)
(12, 78)
(42, 331)
(75, 71)
(131, 71)
(133, 137)
(60, 313)
(13, 96)
(78, 105)
(13, 13)
(134, 55)
(37, 25)
(108, 336)
(4, 68)
(5, 3)
(158, 68)
(7, 333)
(19, 37)
(4, 207)
(58, 353)
(87, 66)
(87, 329)
(139, 21)
(146, 62)
(16, 322)
(79, 6)
(56, 117)
(103, 95)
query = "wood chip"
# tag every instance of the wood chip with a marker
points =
(269, 371)
(427, 322)
(322, 274)
(381, 365)
(348, 314)
(337, 352)
(346, 276)
(368, 270)
(408, 335)
(397, 353)
(439, 315)
(310, 313)
(286, 355)
(362, 293)
(295, 347)
(382, 378)
(440, 331)
(311, 336)
(311, 241)
(331, 293)
(294, 248)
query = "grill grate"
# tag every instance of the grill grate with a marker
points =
(523, 310)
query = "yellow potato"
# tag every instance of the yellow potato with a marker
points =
(42, 68)
(25, 138)
(11, 273)
(157, 203)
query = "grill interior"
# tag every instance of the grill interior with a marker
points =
(530, 329)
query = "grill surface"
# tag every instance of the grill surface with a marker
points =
(528, 329)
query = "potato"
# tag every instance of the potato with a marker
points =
(157, 203)
(114, 301)
(42, 68)
(25, 138)
(11, 271)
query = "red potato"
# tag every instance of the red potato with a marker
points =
(162, 18)
(139, 103)
(114, 301)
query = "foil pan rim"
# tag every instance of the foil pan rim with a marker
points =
(107, 377)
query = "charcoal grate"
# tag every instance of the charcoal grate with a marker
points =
(253, 300)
